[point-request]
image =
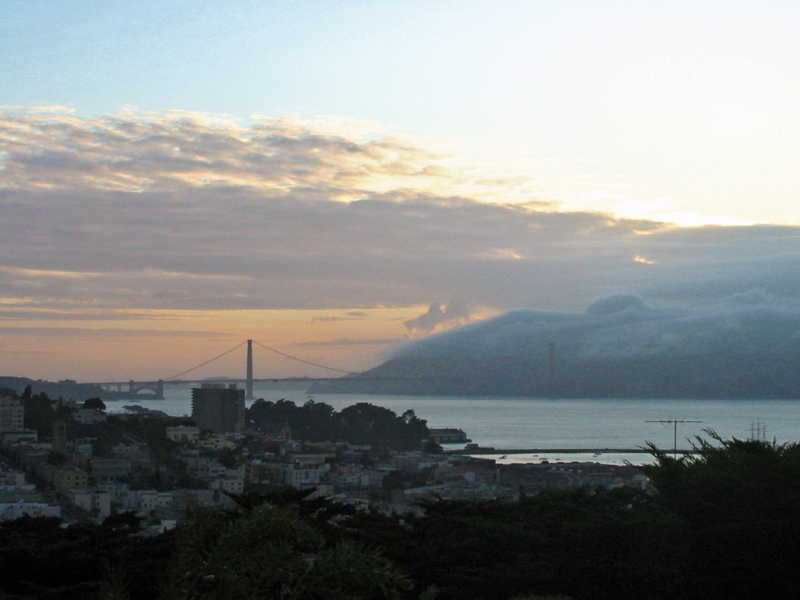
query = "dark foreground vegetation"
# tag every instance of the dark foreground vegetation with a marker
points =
(724, 523)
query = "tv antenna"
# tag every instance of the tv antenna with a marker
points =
(674, 423)
(758, 431)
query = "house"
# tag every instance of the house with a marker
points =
(306, 470)
(231, 484)
(89, 416)
(12, 437)
(110, 468)
(448, 436)
(67, 477)
(96, 502)
(183, 434)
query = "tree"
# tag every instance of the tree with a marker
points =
(271, 552)
(361, 423)
(39, 414)
(42, 558)
(366, 423)
(740, 501)
(586, 544)
(94, 404)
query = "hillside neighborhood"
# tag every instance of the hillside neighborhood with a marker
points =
(79, 461)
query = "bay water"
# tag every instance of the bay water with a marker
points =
(526, 423)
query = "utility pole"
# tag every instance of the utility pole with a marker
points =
(674, 423)
(248, 394)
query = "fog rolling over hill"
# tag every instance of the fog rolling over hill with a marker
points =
(743, 346)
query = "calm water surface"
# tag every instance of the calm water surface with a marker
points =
(514, 423)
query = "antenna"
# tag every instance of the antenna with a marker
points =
(674, 423)
(758, 430)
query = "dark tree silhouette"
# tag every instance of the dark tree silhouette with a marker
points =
(94, 404)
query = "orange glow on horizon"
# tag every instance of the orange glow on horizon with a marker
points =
(158, 344)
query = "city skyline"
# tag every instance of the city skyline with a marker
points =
(335, 180)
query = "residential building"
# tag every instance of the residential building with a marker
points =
(15, 510)
(306, 470)
(68, 477)
(218, 408)
(183, 434)
(110, 468)
(146, 500)
(448, 436)
(204, 467)
(60, 437)
(89, 416)
(94, 501)
(18, 436)
(233, 484)
(12, 414)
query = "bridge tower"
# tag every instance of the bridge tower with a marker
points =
(248, 393)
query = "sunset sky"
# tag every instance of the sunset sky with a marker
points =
(335, 179)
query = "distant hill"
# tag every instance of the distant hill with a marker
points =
(67, 389)
(747, 346)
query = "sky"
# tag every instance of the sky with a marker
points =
(336, 179)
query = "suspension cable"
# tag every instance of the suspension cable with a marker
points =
(205, 363)
(313, 364)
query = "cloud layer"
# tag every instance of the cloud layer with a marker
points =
(624, 327)
(133, 212)
(743, 346)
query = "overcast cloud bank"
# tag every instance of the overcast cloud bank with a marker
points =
(105, 218)
(743, 346)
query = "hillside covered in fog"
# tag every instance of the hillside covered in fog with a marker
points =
(744, 346)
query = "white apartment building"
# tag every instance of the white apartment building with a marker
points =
(183, 434)
(306, 471)
(232, 485)
(14, 510)
(89, 416)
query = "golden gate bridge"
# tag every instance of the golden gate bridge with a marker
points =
(155, 389)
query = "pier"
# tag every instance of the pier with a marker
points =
(483, 451)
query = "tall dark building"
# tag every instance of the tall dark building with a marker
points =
(218, 408)
(60, 436)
